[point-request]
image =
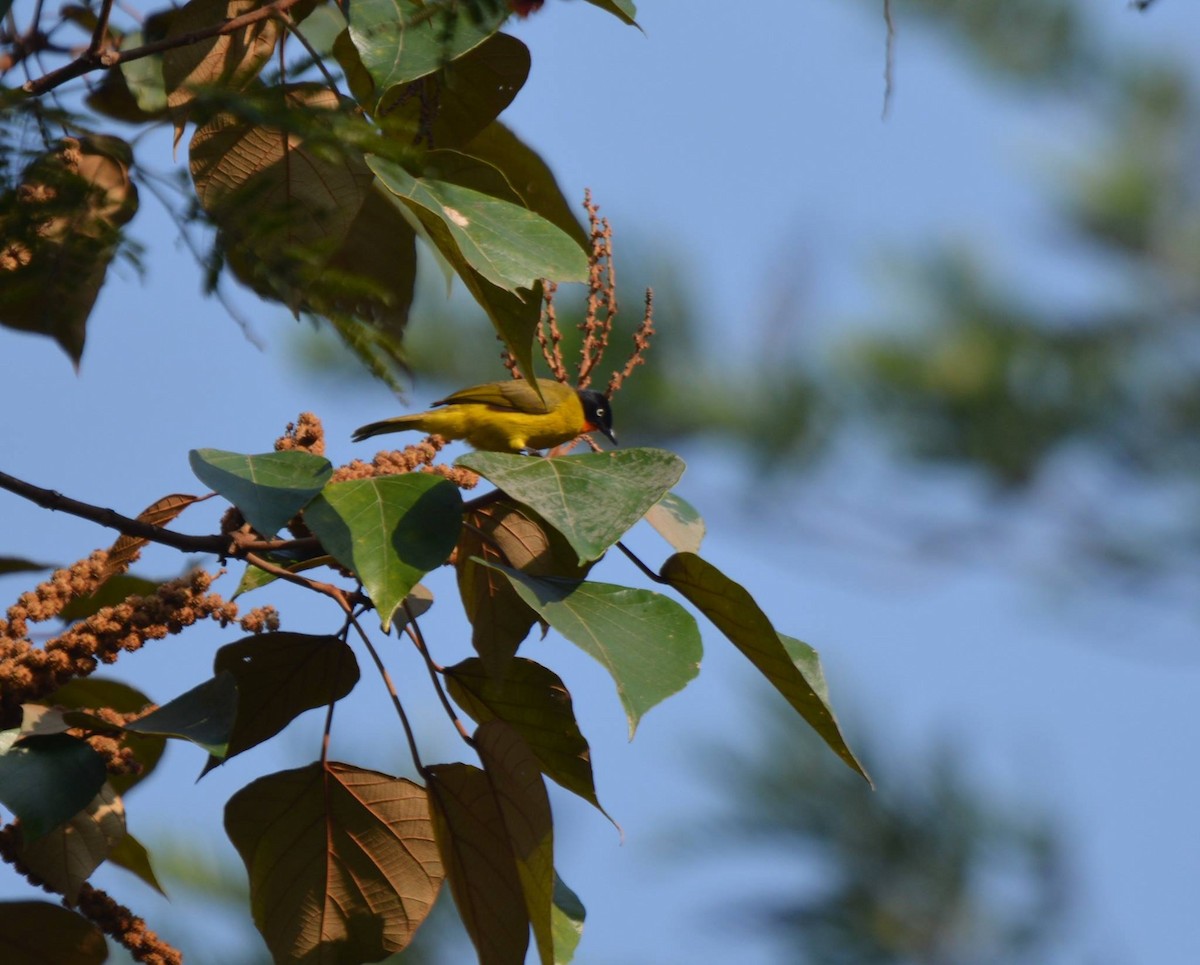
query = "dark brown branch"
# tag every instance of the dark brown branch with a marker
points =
(108, 58)
(222, 545)
(640, 565)
(101, 27)
(414, 633)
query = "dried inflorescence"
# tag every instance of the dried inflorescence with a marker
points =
(117, 921)
(27, 672)
(417, 457)
(306, 434)
(48, 599)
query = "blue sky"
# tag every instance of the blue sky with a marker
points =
(749, 140)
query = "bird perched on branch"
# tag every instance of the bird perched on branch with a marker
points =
(508, 416)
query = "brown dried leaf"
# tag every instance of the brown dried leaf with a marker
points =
(342, 861)
(66, 856)
(475, 848)
(160, 512)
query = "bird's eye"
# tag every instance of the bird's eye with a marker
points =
(599, 412)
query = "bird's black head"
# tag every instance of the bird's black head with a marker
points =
(597, 410)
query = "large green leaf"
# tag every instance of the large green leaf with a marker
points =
(509, 245)
(203, 715)
(47, 779)
(533, 700)
(525, 806)
(648, 642)
(342, 862)
(734, 612)
(476, 851)
(401, 40)
(129, 853)
(390, 530)
(592, 499)
(268, 489)
(59, 936)
(280, 676)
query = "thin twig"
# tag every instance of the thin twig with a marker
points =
(889, 58)
(331, 591)
(391, 689)
(294, 29)
(642, 566)
(414, 634)
(101, 26)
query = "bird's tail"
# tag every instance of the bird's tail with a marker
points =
(400, 423)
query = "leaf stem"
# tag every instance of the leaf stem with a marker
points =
(391, 689)
(640, 565)
(418, 639)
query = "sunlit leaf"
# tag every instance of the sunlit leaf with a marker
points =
(509, 245)
(734, 612)
(280, 676)
(227, 61)
(678, 522)
(646, 641)
(401, 40)
(342, 862)
(158, 513)
(474, 844)
(268, 489)
(592, 499)
(533, 701)
(203, 715)
(390, 530)
(525, 806)
(66, 856)
(39, 933)
(46, 780)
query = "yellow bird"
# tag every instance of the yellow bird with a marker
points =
(508, 416)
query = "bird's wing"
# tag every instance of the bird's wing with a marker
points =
(515, 394)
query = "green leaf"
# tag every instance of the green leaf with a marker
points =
(678, 521)
(646, 641)
(203, 715)
(521, 794)
(509, 245)
(533, 700)
(46, 780)
(342, 863)
(568, 915)
(469, 93)
(268, 489)
(624, 10)
(734, 612)
(93, 693)
(390, 530)
(592, 499)
(129, 853)
(280, 676)
(530, 176)
(401, 40)
(39, 933)
(473, 842)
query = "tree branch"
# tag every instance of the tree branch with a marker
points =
(108, 58)
(218, 544)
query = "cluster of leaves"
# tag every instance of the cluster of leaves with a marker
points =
(345, 862)
(378, 128)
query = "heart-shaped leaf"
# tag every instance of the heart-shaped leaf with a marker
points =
(592, 499)
(203, 715)
(46, 780)
(390, 530)
(268, 489)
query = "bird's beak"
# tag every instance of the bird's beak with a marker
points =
(612, 436)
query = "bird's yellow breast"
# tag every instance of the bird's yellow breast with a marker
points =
(498, 429)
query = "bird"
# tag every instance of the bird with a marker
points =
(508, 416)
